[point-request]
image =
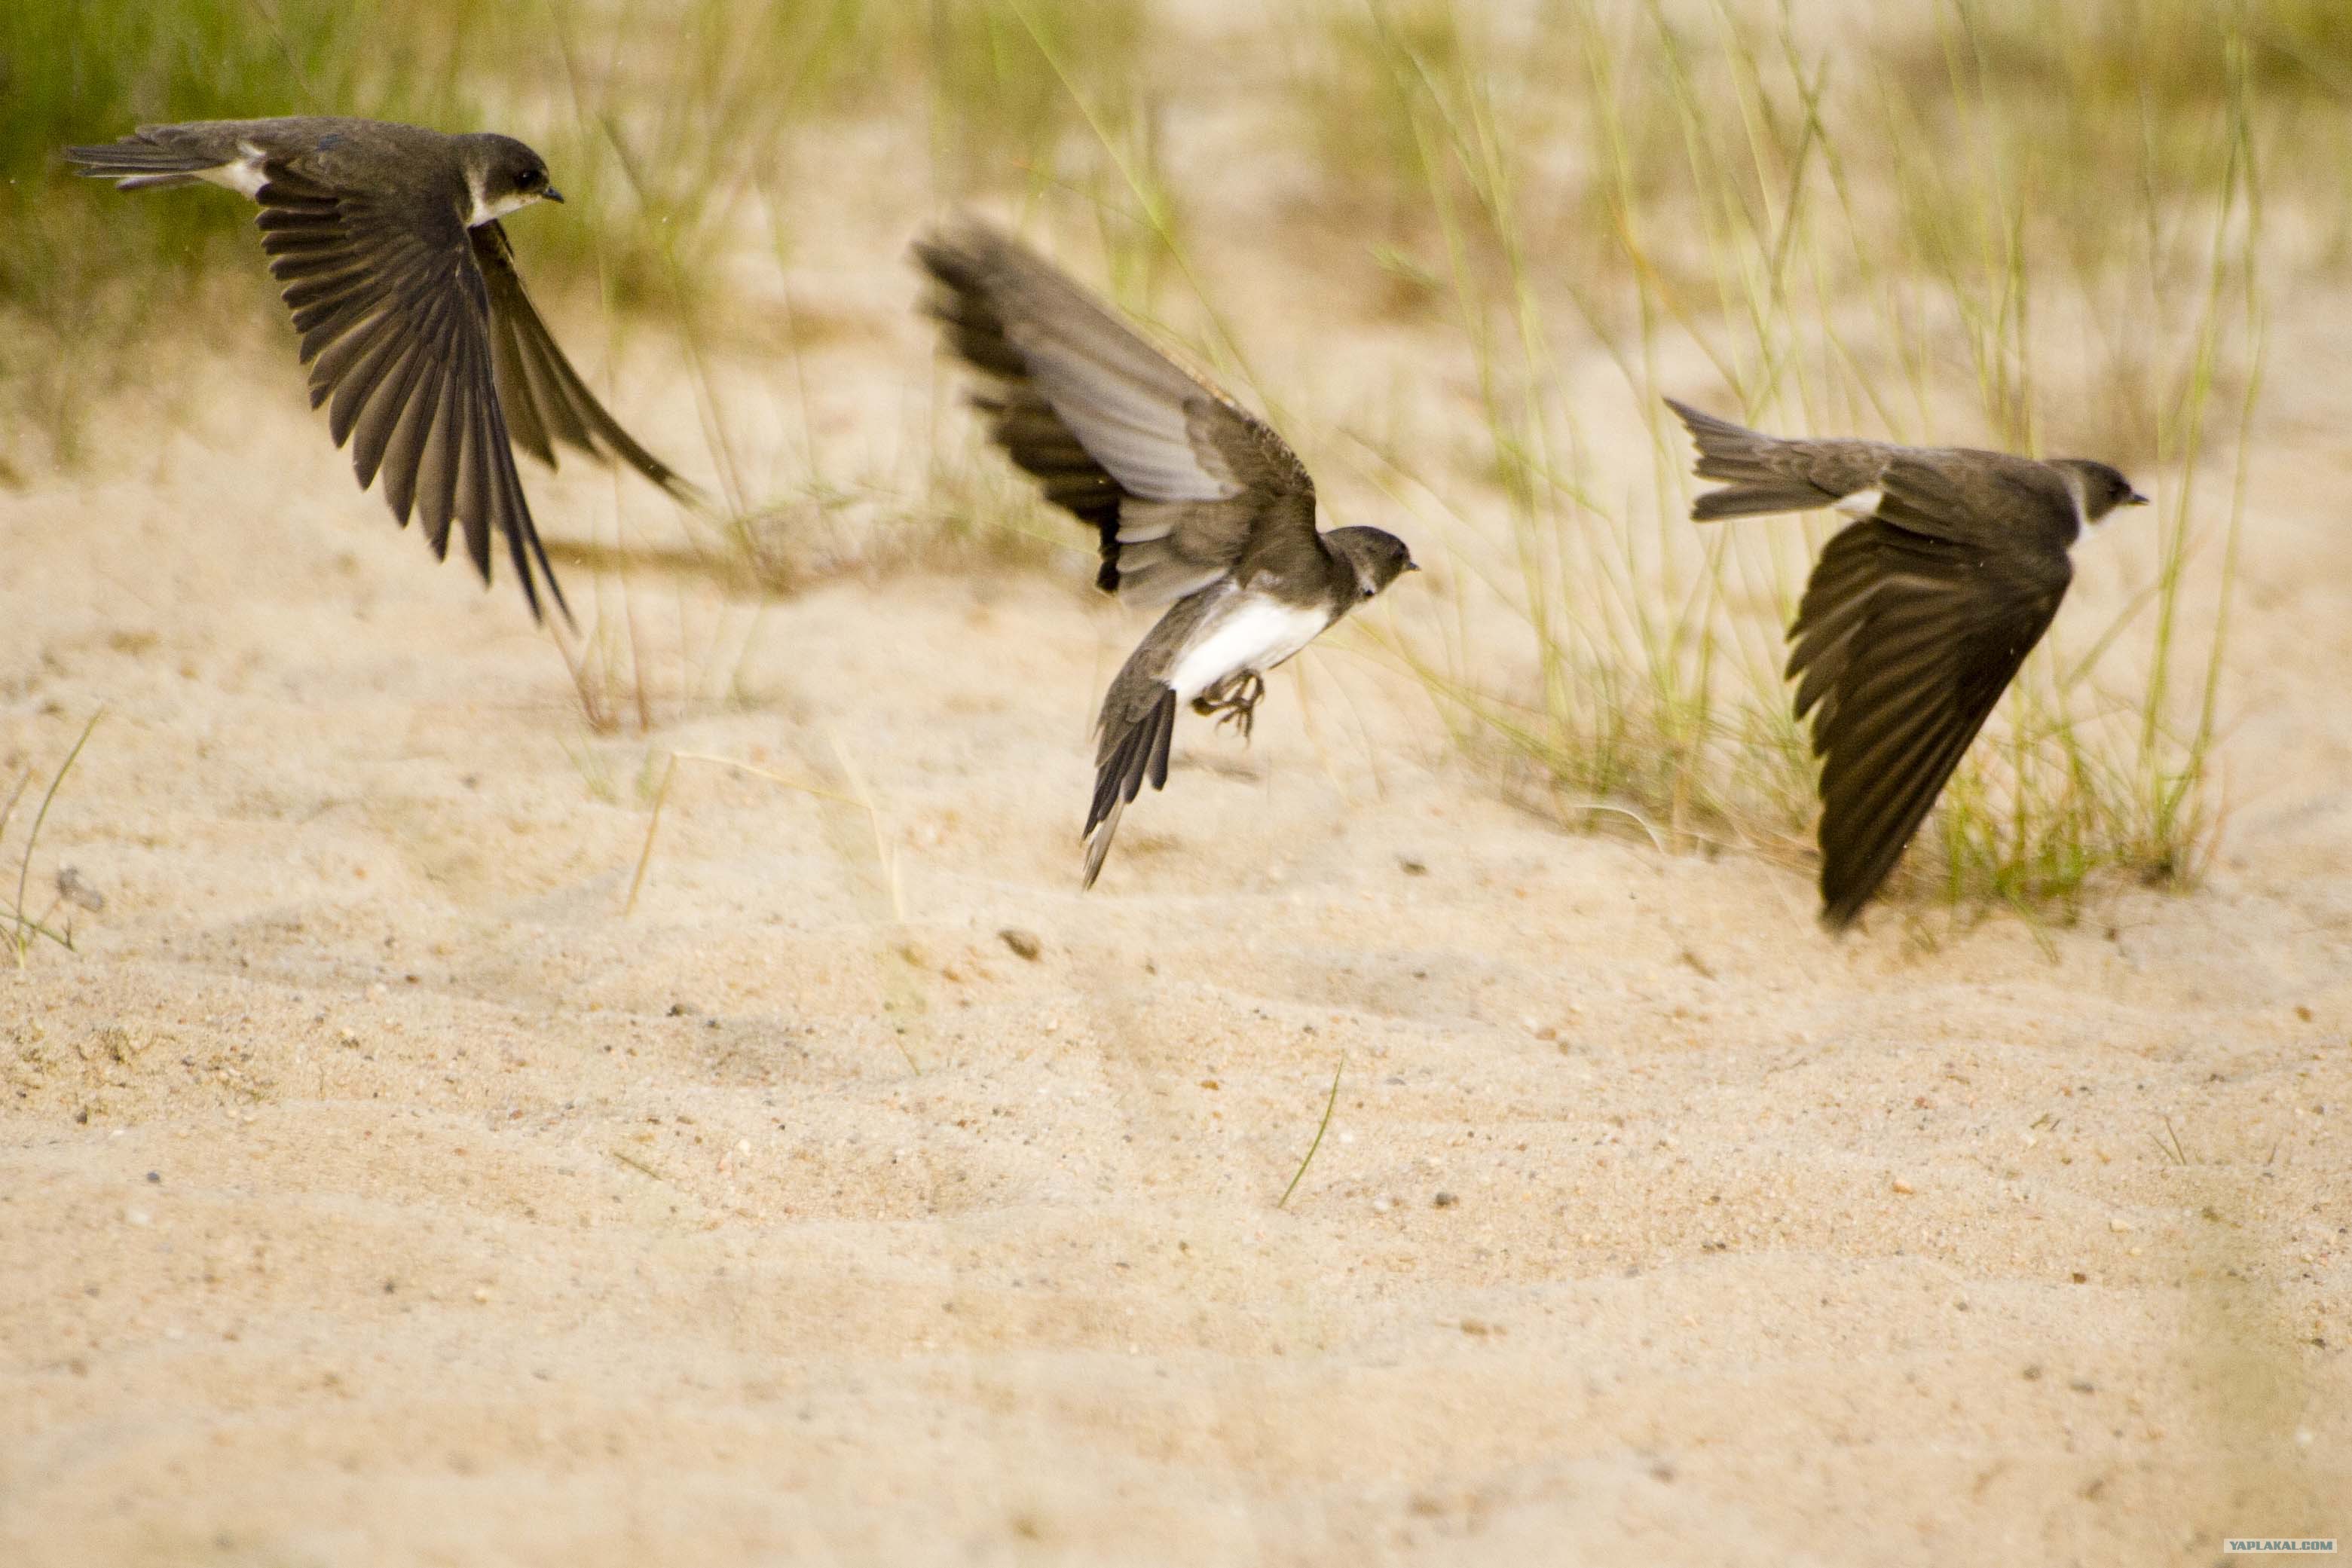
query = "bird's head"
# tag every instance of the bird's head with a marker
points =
(2102, 488)
(1378, 557)
(502, 174)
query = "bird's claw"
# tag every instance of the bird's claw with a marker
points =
(1233, 701)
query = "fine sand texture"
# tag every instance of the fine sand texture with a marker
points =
(377, 1184)
(375, 1188)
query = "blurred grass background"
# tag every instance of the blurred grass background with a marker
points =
(1966, 221)
(664, 118)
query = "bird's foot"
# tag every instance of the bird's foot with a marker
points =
(1235, 701)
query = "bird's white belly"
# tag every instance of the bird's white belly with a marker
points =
(1256, 635)
(243, 176)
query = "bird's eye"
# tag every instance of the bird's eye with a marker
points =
(1369, 591)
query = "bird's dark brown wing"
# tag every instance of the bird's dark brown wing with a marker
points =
(1182, 483)
(1912, 625)
(395, 316)
(543, 397)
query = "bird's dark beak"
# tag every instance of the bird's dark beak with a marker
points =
(1413, 566)
(550, 194)
(2135, 499)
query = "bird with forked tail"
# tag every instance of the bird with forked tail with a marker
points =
(414, 321)
(1198, 504)
(1917, 617)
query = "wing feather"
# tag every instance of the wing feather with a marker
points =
(1180, 482)
(436, 466)
(395, 319)
(545, 396)
(1903, 644)
(375, 422)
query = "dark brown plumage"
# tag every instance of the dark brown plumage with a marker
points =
(1192, 498)
(1917, 617)
(415, 326)
(1182, 483)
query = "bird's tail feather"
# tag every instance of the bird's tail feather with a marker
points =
(1739, 457)
(1098, 843)
(1127, 759)
(1752, 500)
(136, 165)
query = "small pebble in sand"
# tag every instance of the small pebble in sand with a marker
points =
(1024, 942)
(1413, 865)
(2120, 1227)
(1383, 1205)
(1443, 1200)
(1903, 1186)
(82, 895)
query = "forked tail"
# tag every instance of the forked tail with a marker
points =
(135, 164)
(1125, 758)
(1741, 457)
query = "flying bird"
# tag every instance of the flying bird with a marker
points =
(1198, 505)
(1918, 615)
(414, 321)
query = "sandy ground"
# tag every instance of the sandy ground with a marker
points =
(373, 1187)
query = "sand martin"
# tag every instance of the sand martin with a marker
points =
(413, 317)
(1200, 506)
(1917, 617)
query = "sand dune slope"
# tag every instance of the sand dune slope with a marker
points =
(372, 1189)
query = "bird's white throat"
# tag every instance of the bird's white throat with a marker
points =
(484, 211)
(2087, 526)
